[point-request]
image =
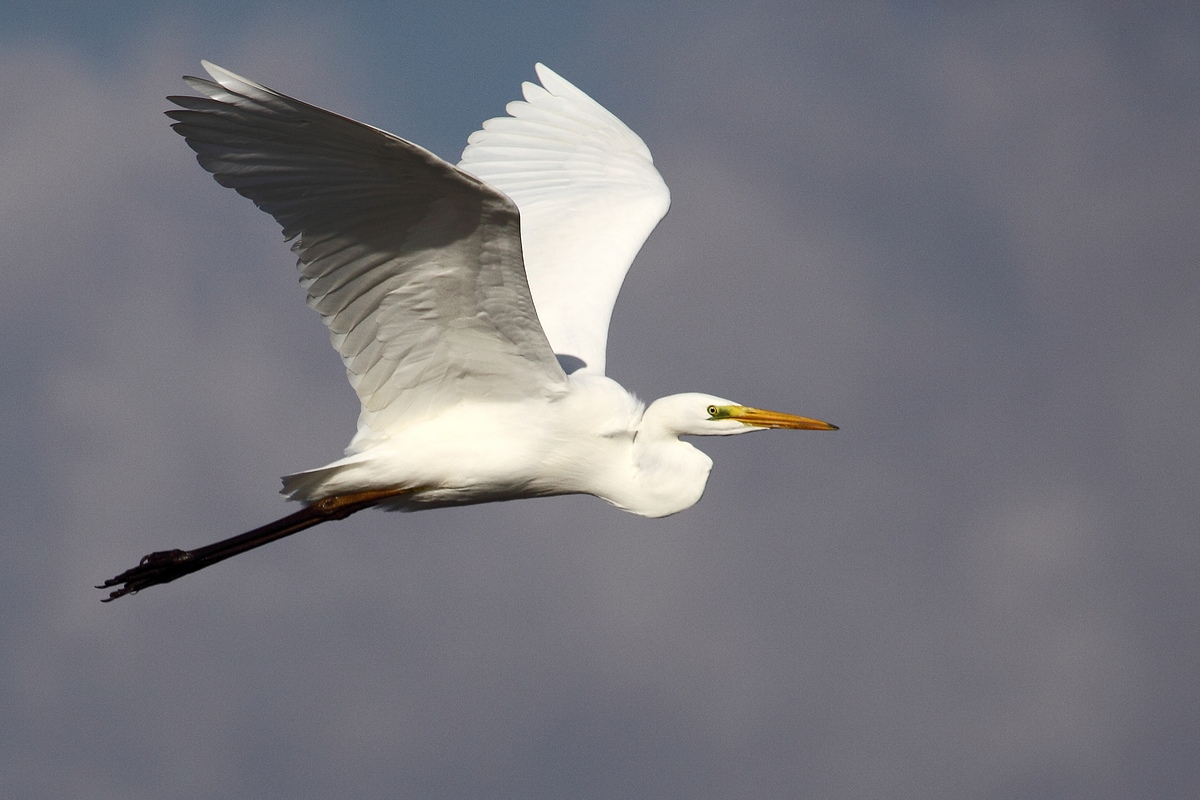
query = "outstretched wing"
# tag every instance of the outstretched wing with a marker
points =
(589, 196)
(414, 265)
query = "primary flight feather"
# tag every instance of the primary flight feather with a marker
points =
(470, 305)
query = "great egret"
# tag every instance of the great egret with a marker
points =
(470, 305)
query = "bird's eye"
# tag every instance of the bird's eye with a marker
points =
(712, 411)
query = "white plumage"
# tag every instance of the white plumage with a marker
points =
(589, 196)
(470, 305)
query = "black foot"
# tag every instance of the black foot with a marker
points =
(161, 567)
(167, 565)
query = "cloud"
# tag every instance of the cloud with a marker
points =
(964, 235)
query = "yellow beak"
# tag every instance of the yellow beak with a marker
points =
(761, 418)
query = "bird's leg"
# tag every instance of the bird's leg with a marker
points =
(165, 566)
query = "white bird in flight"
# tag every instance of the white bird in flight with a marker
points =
(470, 305)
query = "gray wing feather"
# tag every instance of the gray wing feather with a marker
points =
(414, 265)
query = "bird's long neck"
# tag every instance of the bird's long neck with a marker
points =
(669, 475)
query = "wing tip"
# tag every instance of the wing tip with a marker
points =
(229, 79)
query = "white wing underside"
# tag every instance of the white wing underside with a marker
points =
(414, 266)
(589, 196)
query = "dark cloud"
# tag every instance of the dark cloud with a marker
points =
(967, 236)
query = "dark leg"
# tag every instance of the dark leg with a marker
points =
(165, 566)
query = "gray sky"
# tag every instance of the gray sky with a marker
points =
(969, 237)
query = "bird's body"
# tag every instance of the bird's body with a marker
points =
(470, 305)
(594, 438)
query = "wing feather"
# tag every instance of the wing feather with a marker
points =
(589, 196)
(414, 265)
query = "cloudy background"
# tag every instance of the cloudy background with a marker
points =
(969, 237)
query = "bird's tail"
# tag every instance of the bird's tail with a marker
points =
(307, 486)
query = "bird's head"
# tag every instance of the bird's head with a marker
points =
(695, 414)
